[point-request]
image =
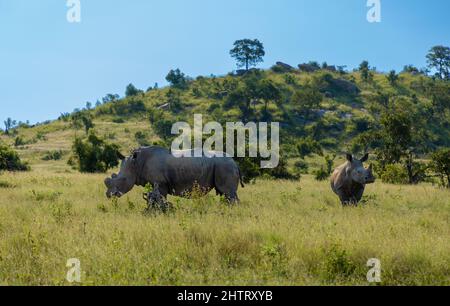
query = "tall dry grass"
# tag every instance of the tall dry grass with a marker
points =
(283, 233)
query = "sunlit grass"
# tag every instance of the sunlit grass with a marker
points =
(283, 233)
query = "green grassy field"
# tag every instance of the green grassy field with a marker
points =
(283, 233)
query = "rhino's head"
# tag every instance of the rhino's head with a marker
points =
(122, 183)
(357, 172)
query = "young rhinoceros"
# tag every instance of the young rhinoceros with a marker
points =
(349, 180)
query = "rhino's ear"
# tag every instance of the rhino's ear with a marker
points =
(135, 154)
(349, 157)
(365, 158)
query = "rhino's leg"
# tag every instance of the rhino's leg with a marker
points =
(345, 199)
(163, 189)
(358, 195)
(232, 198)
(158, 198)
(226, 182)
(230, 193)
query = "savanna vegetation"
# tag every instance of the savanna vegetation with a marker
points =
(289, 229)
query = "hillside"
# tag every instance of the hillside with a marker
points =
(349, 108)
(284, 232)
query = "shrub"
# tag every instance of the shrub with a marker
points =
(395, 174)
(308, 146)
(94, 154)
(19, 141)
(321, 174)
(128, 107)
(174, 100)
(324, 172)
(177, 79)
(41, 136)
(118, 120)
(10, 160)
(440, 165)
(163, 128)
(81, 119)
(302, 166)
(53, 155)
(281, 171)
(131, 91)
(142, 139)
(290, 79)
(338, 264)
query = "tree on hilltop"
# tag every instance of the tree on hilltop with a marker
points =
(248, 52)
(439, 59)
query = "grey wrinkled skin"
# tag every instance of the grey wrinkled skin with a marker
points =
(349, 180)
(175, 176)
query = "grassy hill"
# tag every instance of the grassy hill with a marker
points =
(284, 232)
(342, 116)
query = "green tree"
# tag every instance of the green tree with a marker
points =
(110, 98)
(439, 59)
(440, 97)
(9, 125)
(364, 69)
(174, 100)
(240, 98)
(307, 99)
(94, 154)
(440, 164)
(268, 92)
(400, 139)
(248, 52)
(131, 91)
(10, 160)
(177, 79)
(82, 119)
(308, 146)
(392, 77)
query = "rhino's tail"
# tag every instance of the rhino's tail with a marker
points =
(241, 180)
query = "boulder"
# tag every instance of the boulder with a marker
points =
(307, 68)
(344, 86)
(285, 66)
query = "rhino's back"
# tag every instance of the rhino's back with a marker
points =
(180, 173)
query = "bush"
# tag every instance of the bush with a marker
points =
(395, 174)
(324, 172)
(177, 79)
(321, 174)
(94, 154)
(128, 107)
(302, 166)
(131, 91)
(440, 165)
(163, 128)
(53, 155)
(308, 146)
(142, 139)
(19, 141)
(118, 120)
(10, 160)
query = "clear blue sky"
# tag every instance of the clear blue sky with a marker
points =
(49, 66)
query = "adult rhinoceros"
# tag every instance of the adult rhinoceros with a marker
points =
(175, 175)
(349, 180)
